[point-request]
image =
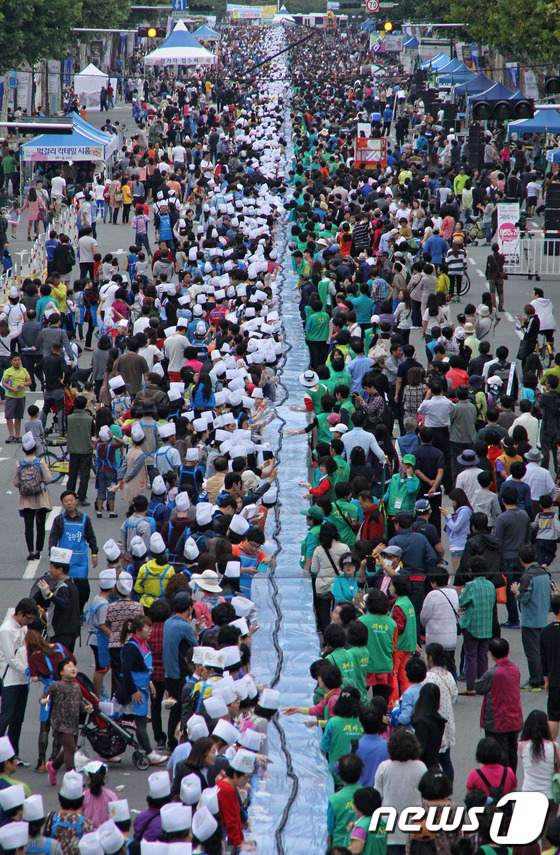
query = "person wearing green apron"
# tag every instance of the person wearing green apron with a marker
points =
(404, 616)
(342, 728)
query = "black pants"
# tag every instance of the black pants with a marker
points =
(531, 640)
(508, 744)
(512, 572)
(80, 466)
(86, 269)
(454, 284)
(68, 640)
(157, 727)
(318, 353)
(33, 363)
(549, 442)
(323, 605)
(89, 335)
(174, 687)
(126, 213)
(12, 712)
(116, 666)
(441, 441)
(31, 518)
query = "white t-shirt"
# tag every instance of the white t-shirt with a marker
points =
(151, 354)
(537, 772)
(140, 325)
(179, 152)
(86, 249)
(108, 292)
(58, 186)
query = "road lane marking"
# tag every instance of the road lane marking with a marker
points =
(31, 569)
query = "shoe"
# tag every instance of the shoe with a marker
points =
(51, 772)
(509, 625)
(9, 440)
(156, 759)
(469, 692)
(88, 348)
(22, 764)
(113, 516)
(40, 767)
(461, 677)
(99, 515)
(31, 556)
(36, 556)
(161, 748)
(17, 439)
(84, 504)
(528, 688)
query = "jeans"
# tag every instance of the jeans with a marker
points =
(508, 744)
(476, 657)
(56, 398)
(142, 240)
(86, 269)
(531, 639)
(80, 465)
(12, 712)
(446, 764)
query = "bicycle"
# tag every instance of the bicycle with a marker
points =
(58, 465)
(546, 353)
(465, 285)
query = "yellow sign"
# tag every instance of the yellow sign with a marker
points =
(269, 11)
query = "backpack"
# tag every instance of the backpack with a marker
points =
(30, 478)
(494, 793)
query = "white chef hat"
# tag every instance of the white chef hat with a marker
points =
(105, 434)
(11, 797)
(242, 606)
(196, 727)
(250, 739)
(270, 699)
(191, 550)
(28, 441)
(119, 810)
(182, 501)
(167, 430)
(159, 785)
(158, 486)
(111, 550)
(193, 454)
(116, 382)
(33, 808)
(157, 544)
(125, 582)
(238, 524)
(175, 817)
(215, 706)
(108, 579)
(209, 798)
(138, 547)
(89, 844)
(15, 835)
(203, 825)
(233, 569)
(225, 730)
(225, 690)
(111, 838)
(244, 761)
(137, 432)
(72, 787)
(6, 749)
(204, 513)
(191, 789)
(153, 847)
(241, 625)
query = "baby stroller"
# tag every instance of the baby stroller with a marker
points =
(475, 233)
(107, 737)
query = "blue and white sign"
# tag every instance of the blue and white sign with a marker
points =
(179, 5)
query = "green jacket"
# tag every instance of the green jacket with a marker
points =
(345, 663)
(376, 841)
(337, 739)
(407, 638)
(381, 634)
(401, 494)
(340, 812)
(342, 515)
(361, 662)
(79, 439)
(309, 543)
(317, 327)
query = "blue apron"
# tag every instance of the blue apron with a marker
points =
(44, 850)
(73, 537)
(48, 681)
(142, 680)
(102, 640)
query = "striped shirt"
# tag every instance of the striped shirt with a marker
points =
(456, 264)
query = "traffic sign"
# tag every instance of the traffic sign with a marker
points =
(372, 5)
(179, 5)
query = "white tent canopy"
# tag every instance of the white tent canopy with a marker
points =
(180, 48)
(88, 84)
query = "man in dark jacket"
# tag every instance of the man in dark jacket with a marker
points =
(58, 595)
(533, 596)
(501, 715)
(549, 403)
(481, 542)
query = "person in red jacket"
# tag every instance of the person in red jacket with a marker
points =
(235, 775)
(501, 715)
(372, 525)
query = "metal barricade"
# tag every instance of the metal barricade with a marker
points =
(535, 255)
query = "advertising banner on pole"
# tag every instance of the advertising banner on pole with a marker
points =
(508, 228)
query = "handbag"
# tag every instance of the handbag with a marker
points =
(118, 196)
(455, 612)
(501, 592)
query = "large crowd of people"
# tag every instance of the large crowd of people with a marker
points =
(429, 494)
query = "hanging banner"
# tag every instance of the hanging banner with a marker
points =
(530, 86)
(66, 72)
(474, 56)
(23, 79)
(513, 71)
(53, 72)
(370, 153)
(508, 228)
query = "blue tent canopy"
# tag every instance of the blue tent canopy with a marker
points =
(206, 34)
(553, 155)
(480, 83)
(499, 92)
(411, 42)
(544, 121)
(452, 67)
(84, 143)
(180, 38)
(461, 78)
(435, 62)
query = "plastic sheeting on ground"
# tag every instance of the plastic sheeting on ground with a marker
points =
(292, 619)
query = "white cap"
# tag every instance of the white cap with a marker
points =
(105, 434)
(157, 544)
(111, 550)
(13, 292)
(153, 847)
(233, 569)
(242, 606)
(175, 817)
(270, 497)
(108, 579)
(6, 749)
(192, 453)
(72, 786)
(232, 656)
(215, 706)
(28, 441)
(14, 835)
(214, 658)
(166, 430)
(33, 808)
(191, 550)
(116, 382)
(158, 486)
(244, 761)
(270, 699)
(224, 689)
(111, 838)
(119, 810)
(60, 556)
(191, 789)
(203, 825)
(226, 731)
(89, 844)
(125, 582)
(179, 847)
(250, 685)
(204, 513)
(238, 524)
(138, 547)
(182, 501)
(196, 727)
(137, 432)
(209, 798)
(241, 625)
(251, 739)
(11, 797)
(159, 785)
